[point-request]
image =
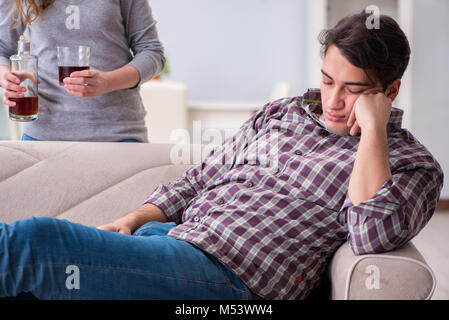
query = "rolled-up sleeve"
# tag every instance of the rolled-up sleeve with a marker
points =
(143, 38)
(397, 213)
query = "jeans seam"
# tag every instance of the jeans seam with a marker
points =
(134, 271)
(224, 270)
(229, 283)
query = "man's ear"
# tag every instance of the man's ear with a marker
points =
(393, 89)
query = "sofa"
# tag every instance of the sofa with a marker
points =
(94, 183)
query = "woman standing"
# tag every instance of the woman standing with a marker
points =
(100, 104)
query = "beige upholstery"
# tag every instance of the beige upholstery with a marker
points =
(95, 183)
(400, 275)
(91, 183)
(166, 105)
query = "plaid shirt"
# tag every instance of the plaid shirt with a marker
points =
(271, 202)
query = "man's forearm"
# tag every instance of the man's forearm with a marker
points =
(371, 167)
(146, 213)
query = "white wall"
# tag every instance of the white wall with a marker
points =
(337, 9)
(234, 50)
(430, 78)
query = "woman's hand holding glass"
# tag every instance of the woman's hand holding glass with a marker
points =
(87, 83)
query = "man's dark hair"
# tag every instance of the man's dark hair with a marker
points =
(383, 53)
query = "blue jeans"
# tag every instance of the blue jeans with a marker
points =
(26, 137)
(57, 259)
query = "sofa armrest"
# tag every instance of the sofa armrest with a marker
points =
(402, 274)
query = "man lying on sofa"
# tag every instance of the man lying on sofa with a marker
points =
(235, 226)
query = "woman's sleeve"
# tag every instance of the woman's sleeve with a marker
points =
(8, 36)
(143, 38)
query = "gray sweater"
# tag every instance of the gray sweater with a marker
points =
(119, 32)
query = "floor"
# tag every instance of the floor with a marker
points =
(433, 243)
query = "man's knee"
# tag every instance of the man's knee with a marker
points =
(34, 228)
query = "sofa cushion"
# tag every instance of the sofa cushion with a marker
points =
(90, 183)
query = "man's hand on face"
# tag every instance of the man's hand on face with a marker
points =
(371, 112)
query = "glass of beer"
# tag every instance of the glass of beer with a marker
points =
(71, 59)
(26, 108)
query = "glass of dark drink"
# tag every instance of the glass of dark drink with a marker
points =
(71, 59)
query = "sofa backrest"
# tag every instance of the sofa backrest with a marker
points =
(87, 182)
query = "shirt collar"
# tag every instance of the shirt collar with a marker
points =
(311, 102)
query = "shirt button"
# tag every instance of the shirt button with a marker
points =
(221, 201)
(298, 152)
(250, 185)
(196, 218)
